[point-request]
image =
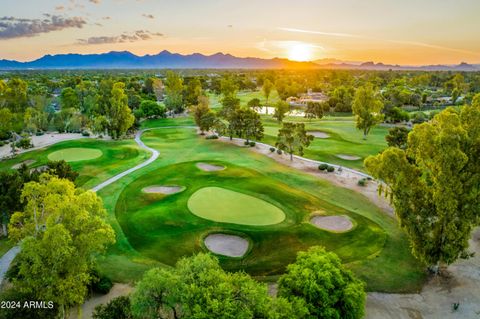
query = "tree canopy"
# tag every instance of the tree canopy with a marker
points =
(61, 228)
(199, 288)
(433, 184)
(327, 287)
(293, 138)
(367, 108)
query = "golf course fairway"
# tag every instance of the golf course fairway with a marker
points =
(75, 154)
(226, 206)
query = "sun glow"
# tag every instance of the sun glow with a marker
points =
(300, 51)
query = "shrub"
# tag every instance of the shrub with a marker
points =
(279, 152)
(211, 137)
(246, 143)
(362, 182)
(25, 143)
(322, 167)
(2, 143)
(40, 133)
(118, 308)
(85, 133)
(272, 149)
(252, 144)
(100, 283)
(330, 169)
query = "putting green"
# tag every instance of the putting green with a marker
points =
(75, 154)
(226, 206)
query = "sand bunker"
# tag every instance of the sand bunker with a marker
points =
(27, 162)
(226, 245)
(348, 157)
(209, 167)
(319, 134)
(166, 190)
(332, 223)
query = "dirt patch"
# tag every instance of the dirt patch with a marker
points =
(319, 134)
(226, 245)
(209, 167)
(332, 223)
(348, 157)
(89, 305)
(438, 296)
(27, 162)
(166, 190)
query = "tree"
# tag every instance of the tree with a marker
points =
(253, 126)
(152, 109)
(328, 288)
(433, 184)
(254, 103)
(267, 89)
(119, 115)
(61, 229)
(62, 169)
(199, 288)
(281, 109)
(230, 104)
(367, 109)
(314, 110)
(397, 137)
(341, 98)
(174, 92)
(69, 99)
(118, 308)
(15, 95)
(6, 123)
(228, 87)
(193, 91)
(292, 138)
(200, 112)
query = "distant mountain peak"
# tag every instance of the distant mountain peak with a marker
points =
(219, 60)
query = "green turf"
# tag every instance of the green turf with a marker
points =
(154, 229)
(343, 138)
(226, 206)
(75, 154)
(117, 157)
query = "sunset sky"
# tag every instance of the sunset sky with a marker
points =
(405, 32)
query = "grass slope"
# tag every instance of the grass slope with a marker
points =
(117, 156)
(155, 230)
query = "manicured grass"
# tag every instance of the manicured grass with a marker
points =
(75, 154)
(343, 138)
(226, 206)
(117, 156)
(154, 229)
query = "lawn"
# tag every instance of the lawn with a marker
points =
(5, 245)
(156, 230)
(343, 139)
(95, 160)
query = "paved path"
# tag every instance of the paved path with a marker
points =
(6, 260)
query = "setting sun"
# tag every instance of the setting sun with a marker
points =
(300, 51)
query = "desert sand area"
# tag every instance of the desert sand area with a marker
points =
(438, 296)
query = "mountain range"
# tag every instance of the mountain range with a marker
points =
(166, 59)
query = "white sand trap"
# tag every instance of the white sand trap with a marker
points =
(209, 167)
(348, 157)
(332, 223)
(167, 190)
(226, 245)
(319, 134)
(27, 162)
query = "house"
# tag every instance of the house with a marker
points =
(315, 97)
